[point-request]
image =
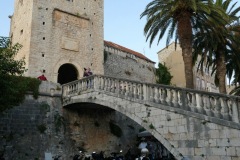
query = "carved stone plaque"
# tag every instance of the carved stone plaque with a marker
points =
(70, 44)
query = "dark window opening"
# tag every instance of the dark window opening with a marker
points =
(43, 38)
(44, 71)
(42, 55)
(21, 32)
(46, 8)
(67, 73)
(43, 23)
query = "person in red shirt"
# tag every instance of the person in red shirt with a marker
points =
(42, 78)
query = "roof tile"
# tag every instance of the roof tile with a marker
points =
(124, 49)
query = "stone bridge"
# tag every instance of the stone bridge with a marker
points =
(191, 124)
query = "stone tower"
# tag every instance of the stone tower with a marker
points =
(59, 37)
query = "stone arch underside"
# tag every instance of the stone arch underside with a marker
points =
(184, 134)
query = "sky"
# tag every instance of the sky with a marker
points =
(122, 25)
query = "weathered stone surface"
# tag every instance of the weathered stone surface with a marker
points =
(59, 32)
(118, 65)
(67, 129)
(195, 138)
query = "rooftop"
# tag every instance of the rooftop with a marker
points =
(124, 49)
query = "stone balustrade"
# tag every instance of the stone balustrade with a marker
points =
(216, 105)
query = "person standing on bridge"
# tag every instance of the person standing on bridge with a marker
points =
(85, 73)
(89, 72)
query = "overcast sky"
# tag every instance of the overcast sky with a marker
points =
(122, 25)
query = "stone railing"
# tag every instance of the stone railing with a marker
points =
(216, 105)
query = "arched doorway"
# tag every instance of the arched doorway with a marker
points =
(67, 73)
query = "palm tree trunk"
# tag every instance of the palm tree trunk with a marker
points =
(185, 39)
(221, 72)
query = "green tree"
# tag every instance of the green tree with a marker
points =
(8, 65)
(233, 65)
(215, 44)
(178, 17)
(163, 75)
(13, 87)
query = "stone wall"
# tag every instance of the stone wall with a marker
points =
(90, 129)
(38, 128)
(186, 134)
(116, 65)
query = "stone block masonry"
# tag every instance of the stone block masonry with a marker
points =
(40, 127)
(120, 66)
(29, 130)
(59, 32)
(176, 122)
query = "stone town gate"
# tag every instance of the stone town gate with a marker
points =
(190, 124)
(59, 37)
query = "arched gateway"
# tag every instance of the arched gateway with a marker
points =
(67, 73)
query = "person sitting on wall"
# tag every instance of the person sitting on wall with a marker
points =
(42, 78)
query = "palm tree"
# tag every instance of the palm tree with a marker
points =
(233, 64)
(215, 44)
(177, 17)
